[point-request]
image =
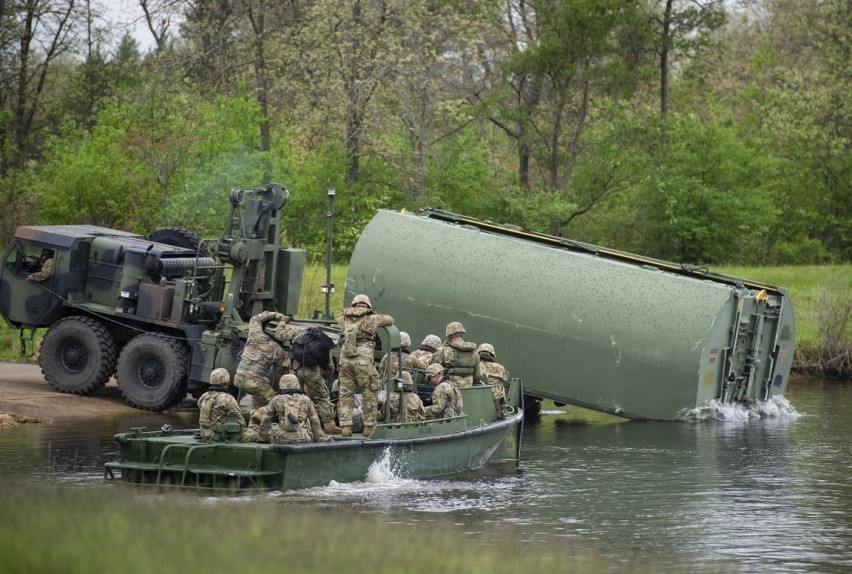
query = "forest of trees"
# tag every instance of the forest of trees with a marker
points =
(702, 131)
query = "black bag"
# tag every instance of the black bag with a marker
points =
(311, 347)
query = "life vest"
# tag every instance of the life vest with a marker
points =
(461, 361)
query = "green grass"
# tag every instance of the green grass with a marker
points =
(127, 530)
(805, 285)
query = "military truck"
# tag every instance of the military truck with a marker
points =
(158, 312)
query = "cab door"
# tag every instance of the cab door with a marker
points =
(25, 302)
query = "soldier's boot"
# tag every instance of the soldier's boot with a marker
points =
(346, 431)
(498, 407)
(332, 428)
(367, 431)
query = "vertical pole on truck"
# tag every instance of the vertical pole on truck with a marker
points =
(328, 288)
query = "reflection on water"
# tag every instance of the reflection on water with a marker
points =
(746, 494)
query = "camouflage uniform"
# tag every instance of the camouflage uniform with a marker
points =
(260, 354)
(408, 361)
(359, 370)
(460, 361)
(298, 420)
(260, 423)
(446, 401)
(45, 273)
(315, 380)
(496, 375)
(411, 403)
(215, 404)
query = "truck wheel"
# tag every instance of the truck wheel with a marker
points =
(77, 355)
(180, 237)
(152, 370)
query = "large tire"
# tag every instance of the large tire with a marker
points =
(180, 237)
(77, 355)
(152, 371)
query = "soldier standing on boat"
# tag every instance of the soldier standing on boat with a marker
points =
(446, 397)
(496, 375)
(311, 362)
(216, 403)
(297, 418)
(411, 403)
(458, 357)
(261, 353)
(357, 369)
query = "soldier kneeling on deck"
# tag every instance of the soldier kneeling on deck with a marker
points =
(214, 407)
(446, 398)
(297, 416)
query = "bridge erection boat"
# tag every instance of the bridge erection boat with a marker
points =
(420, 449)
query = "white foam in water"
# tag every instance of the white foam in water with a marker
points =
(775, 406)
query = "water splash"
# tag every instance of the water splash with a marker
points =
(382, 470)
(775, 406)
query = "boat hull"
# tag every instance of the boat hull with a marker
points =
(409, 450)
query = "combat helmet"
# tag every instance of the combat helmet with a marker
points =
(220, 378)
(431, 341)
(455, 328)
(407, 382)
(289, 383)
(362, 299)
(486, 348)
(434, 369)
(404, 339)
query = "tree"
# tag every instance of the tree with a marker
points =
(684, 27)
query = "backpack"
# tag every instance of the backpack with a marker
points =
(311, 347)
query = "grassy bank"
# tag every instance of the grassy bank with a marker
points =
(123, 530)
(814, 290)
(822, 301)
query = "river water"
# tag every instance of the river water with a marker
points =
(746, 494)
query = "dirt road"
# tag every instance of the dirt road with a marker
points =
(24, 392)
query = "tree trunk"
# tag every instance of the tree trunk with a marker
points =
(665, 42)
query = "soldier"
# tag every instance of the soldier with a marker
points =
(405, 343)
(313, 376)
(46, 267)
(357, 369)
(411, 403)
(261, 353)
(260, 423)
(459, 357)
(298, 420)
(427, 349)
(496, 375)
(446, 397)
(216, 403)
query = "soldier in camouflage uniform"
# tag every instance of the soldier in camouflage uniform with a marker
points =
(46, 271)
(459, 357)
(357, 369)
(496, 375)
(297, 418)
(446, 397)
(404, 344)
(262, 353)
(216, 403)
(411, 403)
(315, 380)
(260, 423)
(427, 349)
